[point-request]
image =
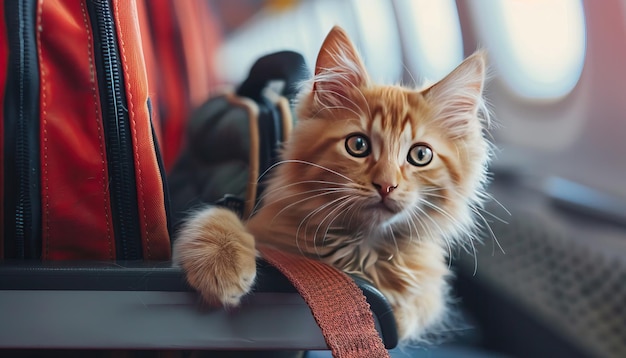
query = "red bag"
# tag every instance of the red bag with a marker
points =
(180, 40)
(80, 170)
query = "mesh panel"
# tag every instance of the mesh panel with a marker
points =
(573, 285)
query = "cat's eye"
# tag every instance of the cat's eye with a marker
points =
(420, 155)
(358, 145)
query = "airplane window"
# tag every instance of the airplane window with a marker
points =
(302, 27)
(379, 42)
(537, 45)
(432, 37)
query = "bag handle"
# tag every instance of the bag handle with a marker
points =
(337, 304)
(286, 66)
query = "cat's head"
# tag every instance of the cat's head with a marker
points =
(389, 155)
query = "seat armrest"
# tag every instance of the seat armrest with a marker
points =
(149, 305)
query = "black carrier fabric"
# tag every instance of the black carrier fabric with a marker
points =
(234, 138)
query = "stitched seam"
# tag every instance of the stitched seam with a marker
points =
(139, 177)
(92, 79)
(44, 115)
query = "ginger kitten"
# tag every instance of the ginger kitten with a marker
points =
(378, 181)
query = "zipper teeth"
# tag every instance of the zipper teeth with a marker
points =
(22, 153)
(20, 150)
(118, 121)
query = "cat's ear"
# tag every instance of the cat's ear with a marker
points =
(338, 68)
(458, 96)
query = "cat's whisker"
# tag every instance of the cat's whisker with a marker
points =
(430, 194)
(408, 224)
(431, 189)
(340, 206)
(444, 237)
(490, 230)
(338, 107)
(442, 212)
(472, 236)
(354, 88)
(303, 182)
(356, 211)
(325, 192)
(311, 214)
(413, 215)
(261, 202)
(395, 242)
(321, 223)
(298, 161)
(474, 209)
(346, 205)
(339, 95)
(477, 210)
(471, 242)
(299, 193)
(431, 234)
(360, 92)
(410, 75)
(353, 212)
(490, 197)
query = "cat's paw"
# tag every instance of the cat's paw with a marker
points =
(217, 255)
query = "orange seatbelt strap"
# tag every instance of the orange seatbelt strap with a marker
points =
(337, 303)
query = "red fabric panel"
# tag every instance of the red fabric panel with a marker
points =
(185, 38)
(76, 211)
(199, 38)
(211, 41)
(4, 57)
(172, 89)
(150, 197)
(151, 66)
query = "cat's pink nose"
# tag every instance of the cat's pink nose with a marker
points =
(384, 189)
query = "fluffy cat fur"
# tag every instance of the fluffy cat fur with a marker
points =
(378, 181)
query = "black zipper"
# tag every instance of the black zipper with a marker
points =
(120, 159)
(165, 186)
(21, 134)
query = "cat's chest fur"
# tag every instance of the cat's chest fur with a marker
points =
(354, 246)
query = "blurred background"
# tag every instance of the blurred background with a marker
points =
(555, 64)
(554, 282)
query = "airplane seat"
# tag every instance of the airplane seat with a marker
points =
(554, 277)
